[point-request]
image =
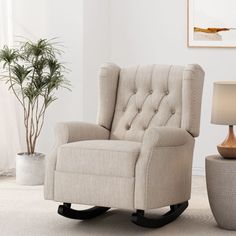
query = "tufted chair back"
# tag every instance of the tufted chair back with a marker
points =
(136, 98)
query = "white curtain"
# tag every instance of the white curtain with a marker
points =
(9, 131)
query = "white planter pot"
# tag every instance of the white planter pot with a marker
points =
(30, 169)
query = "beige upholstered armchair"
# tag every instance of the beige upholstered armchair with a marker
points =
(139, 154)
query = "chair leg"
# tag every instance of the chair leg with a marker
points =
(66, 211)
(175, 211)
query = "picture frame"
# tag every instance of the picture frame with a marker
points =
(211, 23)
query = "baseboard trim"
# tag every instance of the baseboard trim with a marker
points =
(198, 171)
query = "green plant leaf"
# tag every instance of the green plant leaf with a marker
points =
(8, 55)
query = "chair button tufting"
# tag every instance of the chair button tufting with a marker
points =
(127, 127)
(151, 91)
(167, 92)
(135, 91)
(139, 110)
(156, 110)
(172, 112)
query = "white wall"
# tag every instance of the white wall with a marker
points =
(96, 49)
(36, 19)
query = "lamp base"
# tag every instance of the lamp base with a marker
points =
(227, 149)
(227, 152)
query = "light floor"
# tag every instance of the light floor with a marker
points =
(23, 212)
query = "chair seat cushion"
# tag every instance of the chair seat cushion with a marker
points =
(99, 157)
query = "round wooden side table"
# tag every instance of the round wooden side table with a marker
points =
(221, 188)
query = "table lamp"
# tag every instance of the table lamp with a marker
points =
(224, 113)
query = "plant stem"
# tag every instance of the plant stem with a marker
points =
(22, 104)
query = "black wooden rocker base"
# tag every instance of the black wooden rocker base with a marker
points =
(138, 218)
(175, 211)
(66, 211)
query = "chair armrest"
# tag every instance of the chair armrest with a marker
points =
(65, 133)
(165, 137)
(163, 170)
(68, 132)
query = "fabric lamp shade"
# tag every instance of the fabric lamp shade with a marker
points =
(224, 103)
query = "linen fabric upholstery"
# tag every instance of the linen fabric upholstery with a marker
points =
(157, 95)
(108, 82)
(139, 155)
(99, 157)
(164, 166)
(67, 132)
(97, 190)
(193, 76)
(148, 96)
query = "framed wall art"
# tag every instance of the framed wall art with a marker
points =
(212, 23)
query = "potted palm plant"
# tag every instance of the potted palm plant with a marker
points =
(33, 73)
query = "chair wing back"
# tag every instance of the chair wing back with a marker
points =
(136, 98)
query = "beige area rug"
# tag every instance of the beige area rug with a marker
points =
(23, 212)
